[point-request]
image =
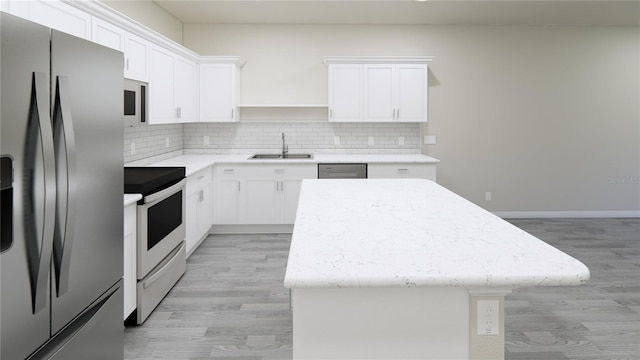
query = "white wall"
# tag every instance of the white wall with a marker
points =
(546, 118)
(151, 15)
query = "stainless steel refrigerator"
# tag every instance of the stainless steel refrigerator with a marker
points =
(61, 130)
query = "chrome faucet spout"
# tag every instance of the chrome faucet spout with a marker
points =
(285, 148)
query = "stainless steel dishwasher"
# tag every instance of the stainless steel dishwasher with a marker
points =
(342, 171)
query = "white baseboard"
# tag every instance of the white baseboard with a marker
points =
(252, 229)
(567, 214)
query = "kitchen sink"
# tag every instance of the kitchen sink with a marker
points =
(265, 156)
(280, 157)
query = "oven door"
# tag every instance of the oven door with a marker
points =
(161, 226)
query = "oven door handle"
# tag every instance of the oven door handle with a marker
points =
(165, 192)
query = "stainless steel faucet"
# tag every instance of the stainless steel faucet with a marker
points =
(285, 148)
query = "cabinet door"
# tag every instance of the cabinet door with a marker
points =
(136, 53)
(290, 196)
(106, 34)
(218, 93)
(161, 87)
(411, 94)
(379, 93)
(345, 92)
(262, 198)
(191, 222)
(227, 204)
(204, 219)
(54, 14)
(185, 89)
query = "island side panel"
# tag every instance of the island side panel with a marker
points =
(486, 330)
(379, 323)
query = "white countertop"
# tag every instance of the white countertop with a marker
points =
(411, 232)
(196, 162)
(131, 199)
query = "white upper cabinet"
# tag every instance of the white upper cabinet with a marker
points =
(136, 57)
(411, 94)
(107, 34)
(396, 92)
(161, 109)
(54, 14)
(185, 89)
(219, 92)
(378, 89)
(345, 92)
(172, 88)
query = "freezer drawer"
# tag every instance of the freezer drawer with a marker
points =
(97, 333)
(153, 288)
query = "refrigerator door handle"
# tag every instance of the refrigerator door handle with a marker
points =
(65, 150)
(39, 158)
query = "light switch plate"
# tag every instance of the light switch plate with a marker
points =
(429, 139)
(401, 140)
(205, 140)
(336, 140)
(370, 140)
(133, 148)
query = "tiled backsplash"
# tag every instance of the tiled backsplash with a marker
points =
(265, 136)
(307, 136)
(151, 140)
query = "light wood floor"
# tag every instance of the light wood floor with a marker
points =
(231, 303)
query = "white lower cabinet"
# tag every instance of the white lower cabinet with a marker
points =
(399, 170)
(198, 211)
(129, 274)
(259, 194)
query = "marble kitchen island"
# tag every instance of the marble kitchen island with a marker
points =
(404, 268)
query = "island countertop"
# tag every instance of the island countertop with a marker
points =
(413, 232)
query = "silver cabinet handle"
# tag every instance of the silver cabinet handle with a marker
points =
(331, 113)
(39, 249)
(238, 186)
(201, 196)
(63, 131)
(398, 114)
(179, 112)
(127, 63)
(232, 113)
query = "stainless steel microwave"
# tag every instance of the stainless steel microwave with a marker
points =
(135, 102)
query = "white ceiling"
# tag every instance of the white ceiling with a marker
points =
(478, 12)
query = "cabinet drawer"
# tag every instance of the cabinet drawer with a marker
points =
(399, 170)
(198, 180)
(294, 171)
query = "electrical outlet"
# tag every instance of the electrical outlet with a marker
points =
(488, 317)
(401, 140)
(166, 142)
(487, 196)
(371, 142)
(205, 140)
(133, 148)
(336, 140)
